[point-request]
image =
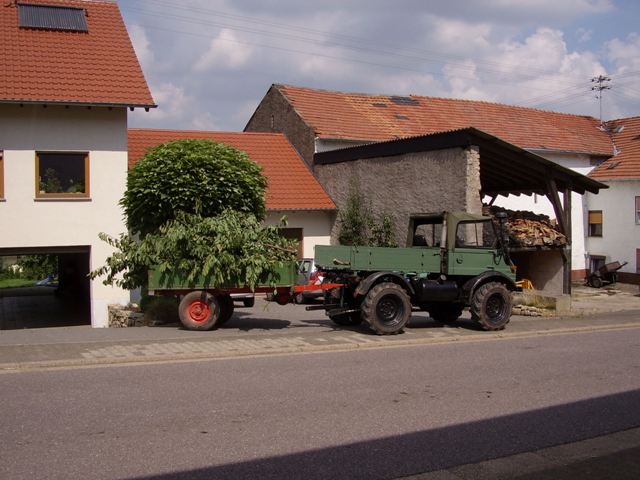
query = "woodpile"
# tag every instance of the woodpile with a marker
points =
(529, 229)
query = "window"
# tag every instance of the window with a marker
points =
(428, 235)
(637, 210)
(476, 235)
(595, 223)
(62, 175)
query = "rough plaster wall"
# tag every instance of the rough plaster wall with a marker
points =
(406, 184)
(543, 268)
(276, 114)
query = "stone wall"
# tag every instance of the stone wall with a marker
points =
(276, 114)
(121, 316)
(423, 182)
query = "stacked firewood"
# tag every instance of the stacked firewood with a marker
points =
(529, 229)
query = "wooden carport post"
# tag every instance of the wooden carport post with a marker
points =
(563, 216)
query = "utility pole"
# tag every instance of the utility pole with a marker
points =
(601, 83)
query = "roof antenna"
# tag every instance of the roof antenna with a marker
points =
(602, 84)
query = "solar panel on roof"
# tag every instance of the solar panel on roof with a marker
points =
(52, 17)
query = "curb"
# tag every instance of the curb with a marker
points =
(338, 347)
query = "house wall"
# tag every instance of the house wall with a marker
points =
(276, 114)
(30, 222)
(620, 232)
(316, 226)
(407, 184)
(543, 268)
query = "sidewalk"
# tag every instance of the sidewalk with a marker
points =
(263, 330)
(615, 456)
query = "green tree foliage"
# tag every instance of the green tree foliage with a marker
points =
(194, 208)
(192, 176)
(38, 267)
(360, 226)
(233, 247)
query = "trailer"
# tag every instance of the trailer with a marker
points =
(203, 307)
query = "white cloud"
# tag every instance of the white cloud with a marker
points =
(142, 46)
(625, 54)
(204, 121)
(173, 106)
(224, 52)
(584, 35)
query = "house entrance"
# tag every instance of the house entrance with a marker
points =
(44, 287)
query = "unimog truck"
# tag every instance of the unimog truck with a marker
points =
(454, 260)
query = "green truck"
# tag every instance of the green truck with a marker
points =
(454, 260)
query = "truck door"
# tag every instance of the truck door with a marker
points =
(474, 249)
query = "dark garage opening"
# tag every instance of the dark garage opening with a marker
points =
(59, 298)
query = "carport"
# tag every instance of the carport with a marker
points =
(65, 304)
(492, 167)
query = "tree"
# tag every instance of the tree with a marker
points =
(194, 209)
(191, 176)
(359, 226)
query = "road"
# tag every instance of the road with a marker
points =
(382, 413)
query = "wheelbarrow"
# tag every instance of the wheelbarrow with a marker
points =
(606, 274)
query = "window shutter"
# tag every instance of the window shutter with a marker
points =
(595, 218)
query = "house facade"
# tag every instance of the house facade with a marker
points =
(613, 216)
(317, 121)
(69, 75)
(292, 190)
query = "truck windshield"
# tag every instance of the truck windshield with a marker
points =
(476, 234)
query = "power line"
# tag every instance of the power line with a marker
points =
(601, 83)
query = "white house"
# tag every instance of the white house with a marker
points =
(69, 75)
(613, 217)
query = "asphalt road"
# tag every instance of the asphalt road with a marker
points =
(381, 413)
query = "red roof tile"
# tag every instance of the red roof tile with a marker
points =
(291, 185)
(95, 67)
(381, 117)
(625, 133)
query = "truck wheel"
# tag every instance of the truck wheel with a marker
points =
(226, 308)
(386, 308)
(347, 319)
(491, 306)
(199, 310)
(446, 312)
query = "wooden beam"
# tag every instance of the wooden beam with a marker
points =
(554, 198)
(567, 218)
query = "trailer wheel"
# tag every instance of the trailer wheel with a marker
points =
(386, 308)
(445, 312)
(199, 310)
(595, 281)
(226, 308)
(347, 319)
(249, 302)
(491, 306)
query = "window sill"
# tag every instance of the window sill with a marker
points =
(62, 199)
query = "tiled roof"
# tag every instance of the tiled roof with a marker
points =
(381, 117)
(291, 186)
(626, 164)
(98, 67)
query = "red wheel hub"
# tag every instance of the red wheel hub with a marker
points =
(198, 311)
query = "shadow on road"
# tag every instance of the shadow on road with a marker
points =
(447, 447)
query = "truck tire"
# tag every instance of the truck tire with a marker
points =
(491, 306)
(199, 310)
(445, 312)
(347, 319)
(226, 308)
(386, 308)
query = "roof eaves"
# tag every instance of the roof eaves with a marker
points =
(77, 103)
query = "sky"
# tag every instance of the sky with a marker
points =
(210, 62)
